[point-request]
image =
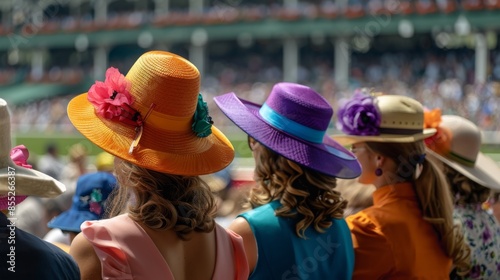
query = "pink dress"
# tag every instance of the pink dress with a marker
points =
(127, 252)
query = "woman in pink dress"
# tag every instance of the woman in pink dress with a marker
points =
(155, 122)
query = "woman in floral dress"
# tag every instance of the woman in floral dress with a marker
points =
(471, 176)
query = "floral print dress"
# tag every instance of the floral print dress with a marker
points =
(482, 233)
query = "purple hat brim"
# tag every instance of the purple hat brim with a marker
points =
(329, 157)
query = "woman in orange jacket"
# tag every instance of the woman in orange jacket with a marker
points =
(408, 233)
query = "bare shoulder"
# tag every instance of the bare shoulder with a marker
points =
(82, 251)
(241, 227)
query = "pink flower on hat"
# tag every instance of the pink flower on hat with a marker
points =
(95, 208)
(112, 97)
(19, 155)
(94, 201)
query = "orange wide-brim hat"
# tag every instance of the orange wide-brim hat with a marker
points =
(165, 93)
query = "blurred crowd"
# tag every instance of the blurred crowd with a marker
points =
(433, 78)
(231, 11)
(437, 78)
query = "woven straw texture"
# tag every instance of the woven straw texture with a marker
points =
(168, 143)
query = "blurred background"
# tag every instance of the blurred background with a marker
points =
(444, 53)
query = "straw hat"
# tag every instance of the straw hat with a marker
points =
(293, 123)
(18, 180)
(153, 117)
(382, 118)
(457, 144)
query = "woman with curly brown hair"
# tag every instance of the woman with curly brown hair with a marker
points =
(472, 177)
(409, 232)
(155, 122)
(296, 229)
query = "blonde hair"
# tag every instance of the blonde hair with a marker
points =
(305, 194)
(163, 201)
(464, 190)
(433, 194)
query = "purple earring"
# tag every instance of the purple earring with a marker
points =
(378, 172)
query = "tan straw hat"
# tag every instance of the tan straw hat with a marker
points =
(154, 117)
(457, 144)
(16, 180)
(381, 118)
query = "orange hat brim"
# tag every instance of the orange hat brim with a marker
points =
(180, 153)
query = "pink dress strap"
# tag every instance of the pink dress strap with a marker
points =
(230, 249)
(127, 252)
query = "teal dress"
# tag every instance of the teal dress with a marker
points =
(285, 256)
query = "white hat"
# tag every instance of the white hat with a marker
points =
(17, 180)
(457, 144)
(381, 118)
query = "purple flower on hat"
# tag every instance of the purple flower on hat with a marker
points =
(359, 115)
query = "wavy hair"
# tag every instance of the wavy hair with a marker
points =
(163, 201)
(464, 190)
(306, 195)
(433, 194)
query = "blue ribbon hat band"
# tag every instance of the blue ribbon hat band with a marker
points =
(291, 127)
(298, 130)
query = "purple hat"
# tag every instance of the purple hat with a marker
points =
(293, 123)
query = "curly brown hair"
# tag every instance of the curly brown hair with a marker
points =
(305, 194)
(464, 190)
(163, 201)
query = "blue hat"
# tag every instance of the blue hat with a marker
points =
(92, 190)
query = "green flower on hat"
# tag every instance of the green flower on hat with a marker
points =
(95, 205)
(202, 124)
(96, 195)
(94, 201)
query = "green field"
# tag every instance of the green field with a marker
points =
(36, 145)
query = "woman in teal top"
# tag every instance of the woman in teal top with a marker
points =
(296, 229)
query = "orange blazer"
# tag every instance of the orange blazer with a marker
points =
(392, 241)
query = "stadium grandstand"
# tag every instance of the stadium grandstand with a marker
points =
(444, 53)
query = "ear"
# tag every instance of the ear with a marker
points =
(379, 160)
